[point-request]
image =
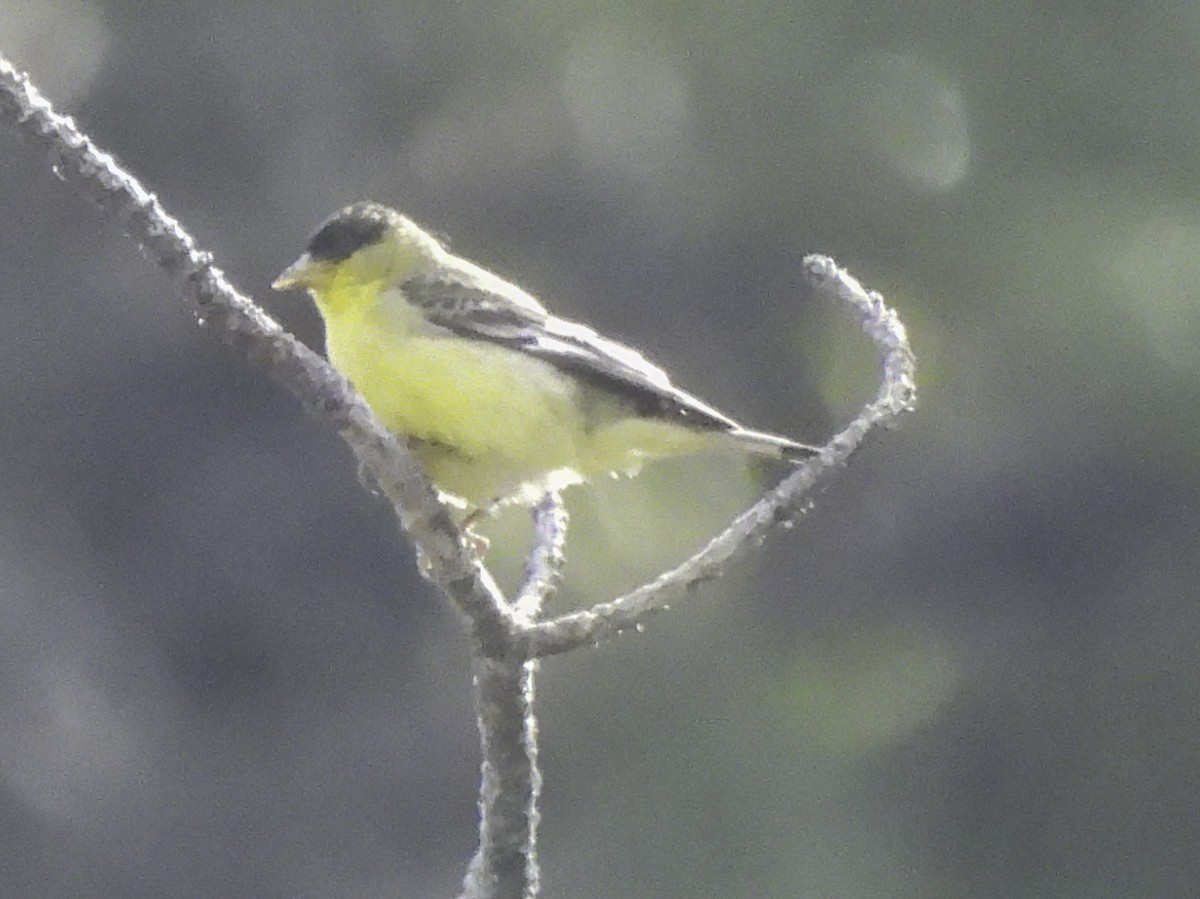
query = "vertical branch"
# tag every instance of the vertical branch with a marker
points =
(505, 866)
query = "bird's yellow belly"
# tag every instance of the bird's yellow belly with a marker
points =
(487, 421)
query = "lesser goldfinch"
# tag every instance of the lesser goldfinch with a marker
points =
(500, 400)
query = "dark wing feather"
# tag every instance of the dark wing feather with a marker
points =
(481, 314)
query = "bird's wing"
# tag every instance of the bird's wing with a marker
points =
(478, 313)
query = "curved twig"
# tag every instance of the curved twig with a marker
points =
(897, 394)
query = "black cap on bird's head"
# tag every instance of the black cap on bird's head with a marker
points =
(349, 231)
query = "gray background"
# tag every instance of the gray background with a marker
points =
(972, 671)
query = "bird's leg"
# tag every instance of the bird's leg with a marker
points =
(477, 541)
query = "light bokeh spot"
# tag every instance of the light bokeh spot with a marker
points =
(1159, 270)
(912, 118)
(629, 105)
(61, 43)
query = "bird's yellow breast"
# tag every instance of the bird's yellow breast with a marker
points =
(488, 419)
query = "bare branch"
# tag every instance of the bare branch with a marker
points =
(785, 503)
(505, 866)
(543, 573)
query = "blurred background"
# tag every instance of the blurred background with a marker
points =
(971, 671)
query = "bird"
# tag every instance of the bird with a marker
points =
(500, 401)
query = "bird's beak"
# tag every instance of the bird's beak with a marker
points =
(295, 275)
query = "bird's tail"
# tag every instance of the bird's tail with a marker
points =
(771, 445)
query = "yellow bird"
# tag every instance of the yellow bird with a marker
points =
(500, 400)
